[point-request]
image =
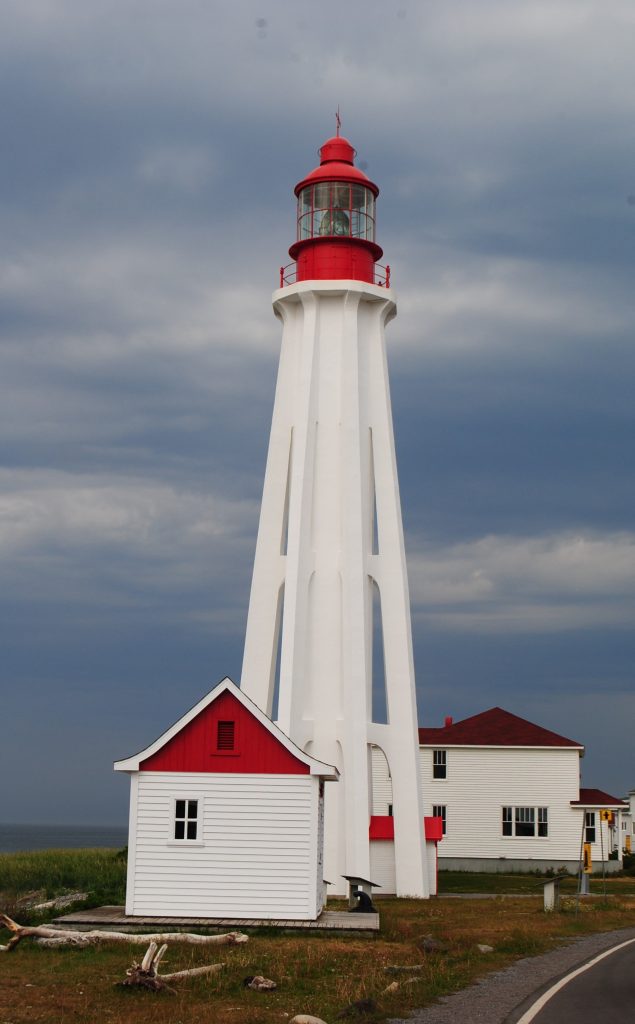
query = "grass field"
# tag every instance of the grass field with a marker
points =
(319, 974)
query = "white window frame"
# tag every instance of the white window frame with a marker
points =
(441, 811)
(439, 761)
(515, 817)
(198, 819)
(590, 827)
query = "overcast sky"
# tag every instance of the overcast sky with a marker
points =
(150, 150)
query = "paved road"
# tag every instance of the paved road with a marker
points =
(503, 996)
(602, 990)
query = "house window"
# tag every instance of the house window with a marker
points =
(390, 810)
(521, 822)
(439, 764)
(543, 822)
(589, 826)
(186, 819)
(507, 821)
(225, 735)
(525, 822)
(439, 811)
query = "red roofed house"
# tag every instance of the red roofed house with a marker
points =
(509, 794)
(226, 817)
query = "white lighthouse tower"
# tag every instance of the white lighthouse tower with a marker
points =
(329, 587)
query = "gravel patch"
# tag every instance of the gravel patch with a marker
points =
(503, 996)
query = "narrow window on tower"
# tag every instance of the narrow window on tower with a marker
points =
(276, 655)
(374, 531)
(284, 539)
(378, 665)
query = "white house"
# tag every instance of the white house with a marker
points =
(226, 817)
(627, 841)
(508, 792)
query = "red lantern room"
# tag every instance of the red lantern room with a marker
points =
(336, 221)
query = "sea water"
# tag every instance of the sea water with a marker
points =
(60, 837)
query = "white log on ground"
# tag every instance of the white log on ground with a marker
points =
(306, 1018)
(146, 974)
(47, 936)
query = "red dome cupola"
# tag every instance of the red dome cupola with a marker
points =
(336, 219)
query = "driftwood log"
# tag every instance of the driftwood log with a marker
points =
(146, 974)
(46, 936)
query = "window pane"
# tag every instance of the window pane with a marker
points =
(341, 196)
(180, 809)
(525, 817)
(179, 830)
(543, 822)
(439, 811)
(358, 197)
(192, 808)
(191, 830)
(439, 764)
(322, 196)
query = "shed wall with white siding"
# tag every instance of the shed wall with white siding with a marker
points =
(226, 818)
(256, 858)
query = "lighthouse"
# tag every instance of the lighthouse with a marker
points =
(328, 647)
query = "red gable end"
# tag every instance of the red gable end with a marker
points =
(209, 744)
(494, 728)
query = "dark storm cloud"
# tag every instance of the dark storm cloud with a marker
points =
(146, 205)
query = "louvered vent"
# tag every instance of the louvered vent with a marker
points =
(225, 736)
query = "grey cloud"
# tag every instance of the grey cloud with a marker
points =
(146, 204)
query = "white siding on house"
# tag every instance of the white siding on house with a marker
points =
(382, 865)
(482, 780)
(604, 838)
(256, 855)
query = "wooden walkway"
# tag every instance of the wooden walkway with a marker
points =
(115, 919)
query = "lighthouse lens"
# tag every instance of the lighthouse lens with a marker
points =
(336, 208)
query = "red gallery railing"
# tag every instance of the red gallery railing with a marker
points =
(288, 275)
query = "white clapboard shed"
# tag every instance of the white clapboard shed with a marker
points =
(226, 817)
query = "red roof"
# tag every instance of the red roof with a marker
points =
(226, 732)
(336, 164)
(598, 798)
(494, 728)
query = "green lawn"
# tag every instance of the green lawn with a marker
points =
(319, 974)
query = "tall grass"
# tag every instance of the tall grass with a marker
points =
(102, 873)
